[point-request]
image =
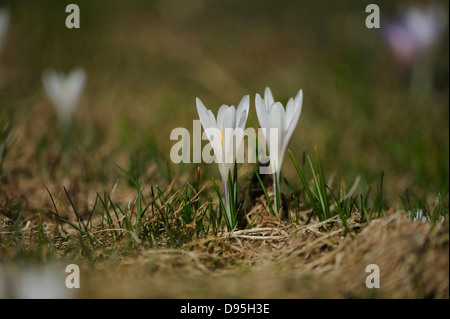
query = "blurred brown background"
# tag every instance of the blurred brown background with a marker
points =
(146, 62)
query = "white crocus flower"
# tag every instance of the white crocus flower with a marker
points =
(225, 135)
(419, 216)
(64, 92)
(4, 23)
(277, 127)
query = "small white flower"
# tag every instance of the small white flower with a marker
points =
(225, 136)
(419, 216)
(273, 118)
(64, 92)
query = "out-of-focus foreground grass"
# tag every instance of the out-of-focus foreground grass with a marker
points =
(147, 61)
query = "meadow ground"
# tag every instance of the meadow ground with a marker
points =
(105, 195)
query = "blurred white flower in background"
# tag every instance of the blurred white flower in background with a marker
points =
(4, 23)
(419, 216)
(34, 282)
(41, 284)
(64, 92)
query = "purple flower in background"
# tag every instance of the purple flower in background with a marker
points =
(415, 32)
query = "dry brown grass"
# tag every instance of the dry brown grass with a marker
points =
(273, 259)
(278, 260)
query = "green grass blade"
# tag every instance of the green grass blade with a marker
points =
(307, 188)
(268, 199)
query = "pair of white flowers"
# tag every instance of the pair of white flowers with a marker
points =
(225, 133)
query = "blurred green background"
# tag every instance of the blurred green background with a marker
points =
(147, 61)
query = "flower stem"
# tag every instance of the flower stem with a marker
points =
(276, 192)
(227, 200)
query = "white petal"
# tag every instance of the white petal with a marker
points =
(215, 139)
(220, 116)
(73, 88)
(298, 102)
(290, 109)
(261, 112)
(277, 116)
(240, 122)
(299, 95)
(277, 121)
(206, 117)
(77, 80)
(229, 123)
(229, 118)
(243, 108)
(268, 98)
(296, 111)
(239, 131)
(52, 86)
